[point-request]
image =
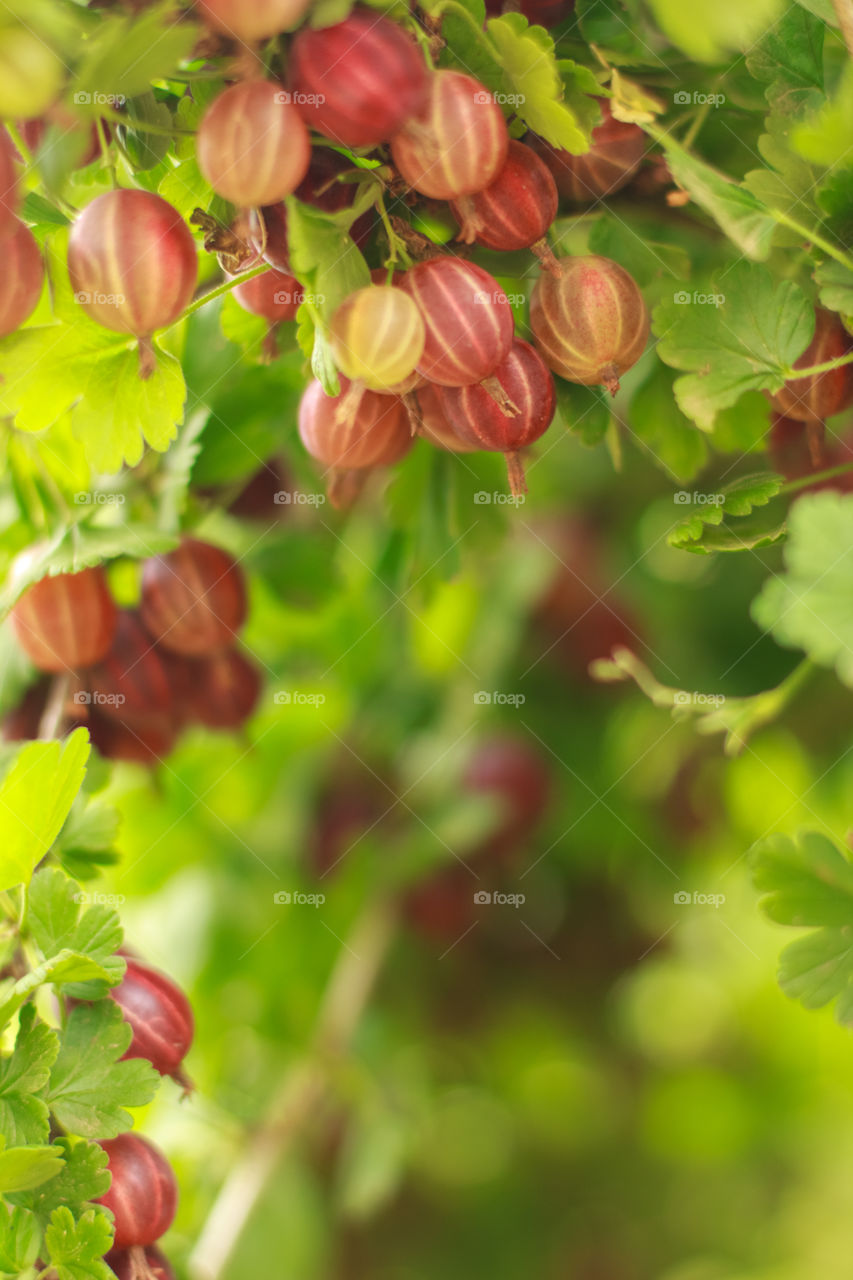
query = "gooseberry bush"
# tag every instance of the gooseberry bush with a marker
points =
(366, 372)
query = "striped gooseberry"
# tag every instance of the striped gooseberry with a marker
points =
(351, 437)
(820, 395)
(468, 319)
(252, 146)
(131, 679)
(66, 622)
(273, 295)
(193, 598)
(377, 336)
(143, 1194)
(516, 210)
(22, 278)
(616, 149)
(251, 20)
(145, 740)
(159, 1015)
(222, 689)
(359, 80)
(133, 264)
(456, 144)
(430, 420)
(125, 1266)
(590, 323)
(8, 185)
(475, 416)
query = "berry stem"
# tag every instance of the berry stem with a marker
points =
(492, 386)
(546, 256)
(609, 378)
(147, 358)
(814, 369)
(54, 711)
(515, 473)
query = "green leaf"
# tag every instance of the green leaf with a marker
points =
(836, 287)
(121, 411)
(89, 1087)
(825, 138)
(324, 258)
(735, 210)
(808, 881)
(807, 606)
(65, 967)
(22, 1168)
(584, 410)
(59, 921)
(20, 1241)
(128, 51)
(788, 59)
(675, 443)
(24, 1116)
(719, 28)
(84, 1177)
(743, 343)
(145, 150)
(35, 798)
(703, 530)
(76, 1249)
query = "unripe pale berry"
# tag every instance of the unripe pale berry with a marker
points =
(252, 146)
(132, 261)
(591, 323)
(821, 395)
(66, 622)
(359, 80)
(616, 149)
(143, 1194)
(31, 74)
(456, 144)
(193, 598)
(475, 416)
(377, 337)
(468, 320)
(21, 279)
(251, 20)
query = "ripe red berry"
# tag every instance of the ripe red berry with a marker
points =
(468, 319)
(222, 689)
(515, 773)
(431, 421)
(516, 210)
(590, 324)
(456, 144)
(375, 434)
(159, 1015)
(123, 1265)
(250, 21)
(23, 721)
(475, 415)
(143, 1194)
(442, 908)
(131, 679)
(377, 337)
(193, 598)
(67, 622)
(616, 149)
(8, 185)
(21, 280)
(821, 395)
(145, 740)
(273, 295)
(133, 263)
(359, 80)
(252, 146)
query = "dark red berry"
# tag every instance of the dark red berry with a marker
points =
(131, 680)
(442, 908)
(514, 772)
(193, 598)
(147, 740)
(430, 420)
(359, 80)
(143, 1195)
(516, 210)
(23, 721)
(21, 279)
(616, 149)
(223, 689)
(272, 295)
(467, 316)
(822, 395)
(66, 622)
(159, 1015)
(528, 391)
(123, 1265)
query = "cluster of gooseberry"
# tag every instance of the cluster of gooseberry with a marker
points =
(138, 677)
(432, 349)
(143, 1193)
